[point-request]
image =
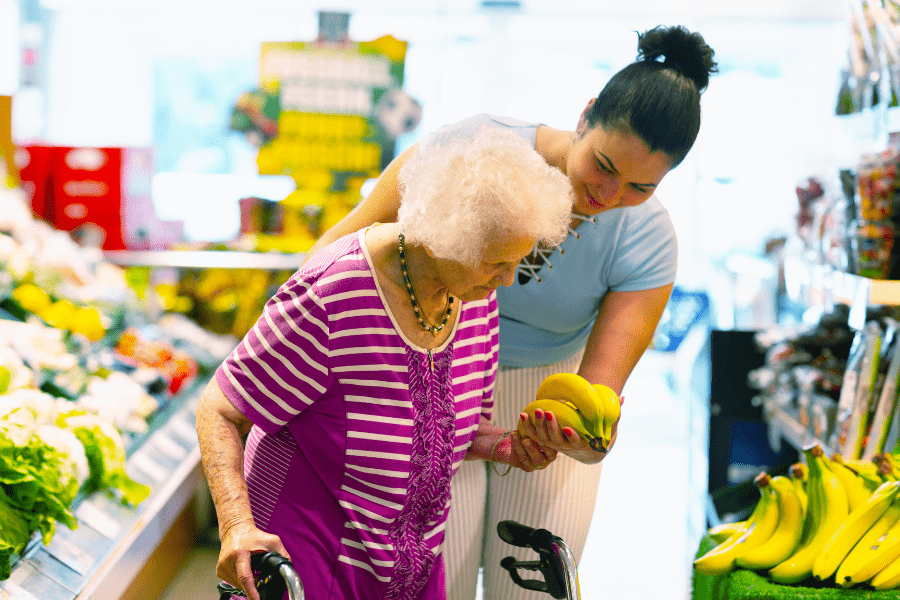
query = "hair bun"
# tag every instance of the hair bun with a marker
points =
(680, 49)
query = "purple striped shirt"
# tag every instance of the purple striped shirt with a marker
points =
(356, 431)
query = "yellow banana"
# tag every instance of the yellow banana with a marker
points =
(762, 524)
(799, 472)
(857, 492)
(784, 539)
(884, 552)
(827, 507)
(566, 414)
(610, 409)
(720, 533)
(597, 404)
(865, 549)
(894, 462)
(866, 469)
(853, 528)
(885, 468)
(575, 389)
(888, 578)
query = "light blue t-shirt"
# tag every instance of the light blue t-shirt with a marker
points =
(549, 318)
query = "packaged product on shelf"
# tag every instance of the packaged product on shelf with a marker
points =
(872, 244)
(888, 405)
(823, 410)
(855, 402)
(873, 232)
(811, 408)
(879, 413)
(877, 184)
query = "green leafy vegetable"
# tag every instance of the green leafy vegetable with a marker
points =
(14, 534)
(105, 451)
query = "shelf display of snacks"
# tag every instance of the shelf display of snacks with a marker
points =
(877, 208)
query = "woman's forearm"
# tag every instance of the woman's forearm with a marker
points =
(222, 457)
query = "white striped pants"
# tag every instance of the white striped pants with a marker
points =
(559, 498)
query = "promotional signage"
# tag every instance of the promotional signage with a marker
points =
(340, 107)
(328, 114)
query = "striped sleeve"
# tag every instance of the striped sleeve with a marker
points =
(281, 365)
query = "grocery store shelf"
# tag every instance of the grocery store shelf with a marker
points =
(205, 259)
(848, 289)
(787, 426)
(824, 284)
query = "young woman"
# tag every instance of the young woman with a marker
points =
(589, 306)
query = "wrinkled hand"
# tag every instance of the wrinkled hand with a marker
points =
(238, 543)
(548, 434)
(523, 453)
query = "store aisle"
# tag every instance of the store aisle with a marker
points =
(639, 546)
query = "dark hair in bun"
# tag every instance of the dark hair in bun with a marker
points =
(657, 97)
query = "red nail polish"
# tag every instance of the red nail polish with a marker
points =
(548, 416)
(523, 416)
(568, 431)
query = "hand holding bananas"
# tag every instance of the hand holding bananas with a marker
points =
(513, 449)
(572, 416)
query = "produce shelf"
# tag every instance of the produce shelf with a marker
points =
(205, 259)
(101, 558)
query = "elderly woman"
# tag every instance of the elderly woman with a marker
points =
(368, 379)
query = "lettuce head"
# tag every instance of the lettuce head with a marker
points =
(105, 452)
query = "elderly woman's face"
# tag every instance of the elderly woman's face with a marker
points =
(497, 267)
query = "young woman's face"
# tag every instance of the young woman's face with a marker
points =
(497, 267)
(609, 169)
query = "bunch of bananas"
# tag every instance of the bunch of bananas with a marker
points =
(832, 519)
(589, 409)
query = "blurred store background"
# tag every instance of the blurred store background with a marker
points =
(153, 131)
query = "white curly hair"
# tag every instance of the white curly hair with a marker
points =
(459, 194)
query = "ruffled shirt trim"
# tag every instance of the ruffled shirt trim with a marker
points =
(428, 488)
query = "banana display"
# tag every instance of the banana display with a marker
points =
(589, 409)
(830, 521)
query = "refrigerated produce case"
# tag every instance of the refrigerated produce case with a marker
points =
(118, 549)
(113, 544)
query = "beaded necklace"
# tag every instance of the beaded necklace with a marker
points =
(427, 325)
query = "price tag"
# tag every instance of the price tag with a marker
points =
(168, 446)
(10, 591)
(149, 466)
(70, 555)
(98, 520)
